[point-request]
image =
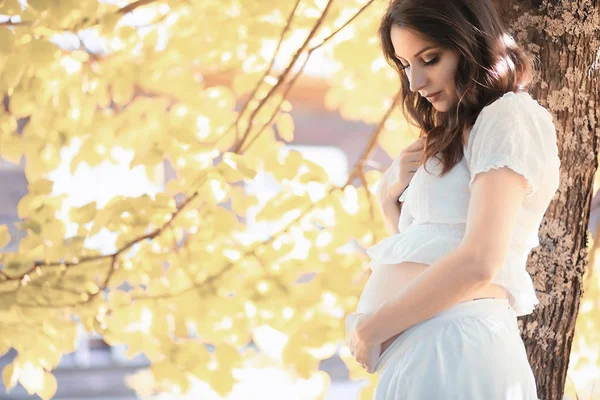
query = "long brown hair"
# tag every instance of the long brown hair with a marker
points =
(490, 64)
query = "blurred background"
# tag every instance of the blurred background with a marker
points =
(337, 101)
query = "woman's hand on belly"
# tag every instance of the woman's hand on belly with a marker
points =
(364, 352)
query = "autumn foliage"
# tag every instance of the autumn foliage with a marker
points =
(183, 275)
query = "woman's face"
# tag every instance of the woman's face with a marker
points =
(430, 69)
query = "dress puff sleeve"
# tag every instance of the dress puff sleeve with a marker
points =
(516, 132)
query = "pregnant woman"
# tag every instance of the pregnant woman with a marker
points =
(437, 318)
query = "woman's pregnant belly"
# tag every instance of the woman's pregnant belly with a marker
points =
(387, 280)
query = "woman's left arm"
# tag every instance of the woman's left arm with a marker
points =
(496, 196)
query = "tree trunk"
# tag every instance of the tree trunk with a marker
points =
(564, 37)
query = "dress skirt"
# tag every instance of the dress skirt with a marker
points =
(471, 351)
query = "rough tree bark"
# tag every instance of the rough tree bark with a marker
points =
(564, 35)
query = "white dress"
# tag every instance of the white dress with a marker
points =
(473, 350)
(513, 131)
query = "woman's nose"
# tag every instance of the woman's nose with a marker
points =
(417, 79)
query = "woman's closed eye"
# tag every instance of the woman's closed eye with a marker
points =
(433, 61)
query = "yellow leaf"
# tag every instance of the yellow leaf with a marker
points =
(122, 91)
(127, 33)
(148, 157)
(101, 94)
(229, 173)
(185, 134)
(8, 126)
(286, 106)
(190, 353)
(264, 144)
(214, 190)
(41, 52)
(109, 22)
(285, 127)
(305, 364)
(223, 221)
(315, 173)
(222, 381)
(4, 236)
(237, 161)
(11, 149)
(227, 356)
(181, 329)
(41, 186)
(50, 387)
(240, 201)
(118, 298)
(83, 214)
(166, 201)
(7, 41)
(22, 103)
(281, 204)
(39, 5)
(9, 377)
(10, 7)
(290, 167)
(13, 72)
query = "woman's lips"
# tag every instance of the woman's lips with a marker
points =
(434, 97)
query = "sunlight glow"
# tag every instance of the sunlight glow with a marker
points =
(99, 184)
(70, 65)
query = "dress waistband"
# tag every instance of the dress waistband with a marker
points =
(437, 226)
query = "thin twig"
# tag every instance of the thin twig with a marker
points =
(263, 77)
(291, 83)
(328, 38)
(283, 76)
(274, 114)
(126, 247)
(359, 167)
(134, 5)
(109, 275)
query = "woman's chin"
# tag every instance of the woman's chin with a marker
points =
(440, 107)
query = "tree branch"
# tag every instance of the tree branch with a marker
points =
(357, 171)
(262, 78)
(282, 77)
(359, 167)
(69, 264)
(134, 5)
(328, 38)
(111, 271)
(292, 82)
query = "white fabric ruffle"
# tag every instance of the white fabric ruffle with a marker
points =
(428, 242)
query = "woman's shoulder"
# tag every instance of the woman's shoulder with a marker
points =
(514, 130)
(514, 104)
(516, 119)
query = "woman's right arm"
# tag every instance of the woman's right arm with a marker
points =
(391, 216)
